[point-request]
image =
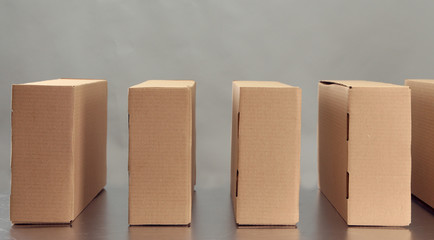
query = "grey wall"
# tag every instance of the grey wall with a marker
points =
(212, 42)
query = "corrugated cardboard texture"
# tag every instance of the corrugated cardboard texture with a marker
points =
(59, 131)
(332, 144)
(161, 152)
(364, 138)
(265, 177)
(422, 113)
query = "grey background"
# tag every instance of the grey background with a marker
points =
(213, 43)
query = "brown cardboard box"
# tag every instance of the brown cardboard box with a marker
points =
(364, 138)
(265, 178)
(422, 114)
(161, 161)
(59, 132)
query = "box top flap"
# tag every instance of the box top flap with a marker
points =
(266, 84)
(360, 83)
(165, 84)
(63, 82)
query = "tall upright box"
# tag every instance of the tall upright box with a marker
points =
(422, 114)
(161, 162)
(59, 134)
(364, 158)
(265, 177)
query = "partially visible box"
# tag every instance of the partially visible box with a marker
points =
(364, 158)
(161, 162)
(59, 132)
(422, 116)
(265, 178)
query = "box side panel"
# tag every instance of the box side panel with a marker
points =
(234, 145)
(41, 190)
(422, 148)
(160, 156)
(379, 162)
(89, 142)
(332, 144)
(193, 129)
(269, 156)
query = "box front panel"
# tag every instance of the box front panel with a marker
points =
(160, 156)
(269, 156)
(42, 186)
(379, 162)
(422, 108)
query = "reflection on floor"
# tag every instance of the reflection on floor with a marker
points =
(107, 218)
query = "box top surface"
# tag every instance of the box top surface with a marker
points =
(63, 82)
(421, 80)
(165, 84)
(262, 84)
(361, 84)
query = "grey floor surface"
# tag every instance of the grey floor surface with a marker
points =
(107, 218)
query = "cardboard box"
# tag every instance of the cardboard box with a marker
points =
(422, 148)
(161, 160)
(265, 177)
(364, 161)
(59, 132)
